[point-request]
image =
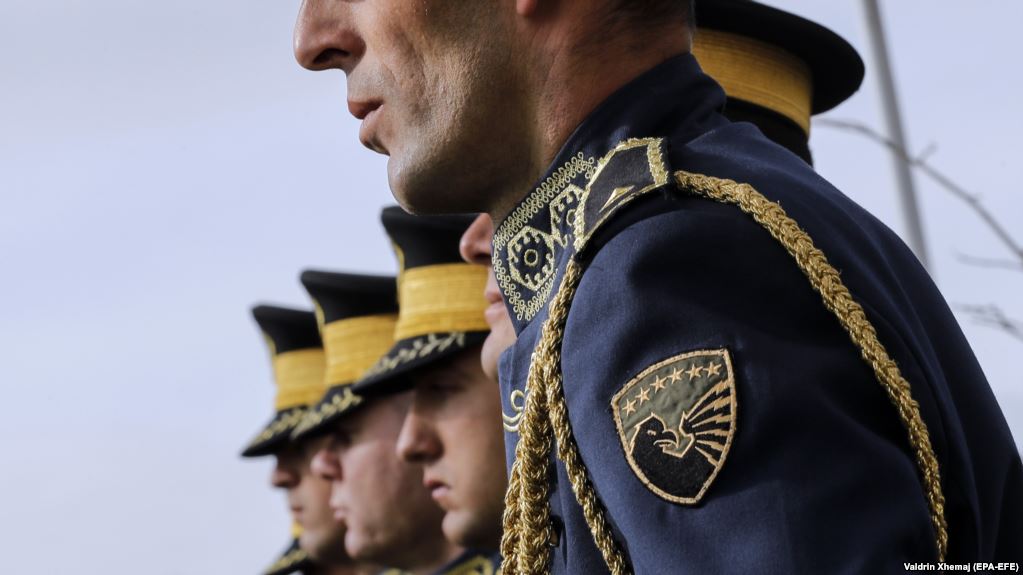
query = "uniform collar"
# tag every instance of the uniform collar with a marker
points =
(675, 98)
(472, 562)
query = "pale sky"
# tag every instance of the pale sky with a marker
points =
(164, 165)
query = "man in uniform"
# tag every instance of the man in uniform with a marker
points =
(389, 516)
(715, 396)
(298, 366)
(764, 85)
(453, 427)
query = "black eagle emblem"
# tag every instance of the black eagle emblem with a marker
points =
(676, 421)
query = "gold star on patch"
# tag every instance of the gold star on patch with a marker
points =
(630, 407)
(676, 374)
(659, 383)
(644, 395)
(694, 372)
(714, 368)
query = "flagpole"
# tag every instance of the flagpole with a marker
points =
(893, 122)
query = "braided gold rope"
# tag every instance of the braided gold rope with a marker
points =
(527, 525)
(527, 528)
(527, 514)
(568, 450)
(826, 281)
(510, 533)
(534, 478)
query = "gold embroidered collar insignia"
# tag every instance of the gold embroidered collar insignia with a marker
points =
(562, 214)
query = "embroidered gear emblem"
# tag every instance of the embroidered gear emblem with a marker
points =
(676, 421)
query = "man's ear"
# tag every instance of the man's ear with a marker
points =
(526, 7)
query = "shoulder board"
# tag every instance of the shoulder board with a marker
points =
(293, 561)
(633, 168)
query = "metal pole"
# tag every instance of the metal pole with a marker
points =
(893, 121)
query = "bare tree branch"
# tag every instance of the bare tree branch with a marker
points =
(920, 162)
(993, 316)
(990, 262)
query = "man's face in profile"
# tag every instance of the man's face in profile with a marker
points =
(379, 498)
(475, 247)
(431, 81)
(454, 430)
(309, 501)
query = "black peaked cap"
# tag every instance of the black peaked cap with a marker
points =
(836, 67)
(345, 295)
(425, 240)
(288, 329)
(422, 241)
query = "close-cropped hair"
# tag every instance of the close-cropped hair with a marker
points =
(652, 12)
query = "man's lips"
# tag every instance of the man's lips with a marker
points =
(495, 314)
(339, 509)
(369, 113)
(339, 514)
(496, 311)
(438, 490)
(493, 295)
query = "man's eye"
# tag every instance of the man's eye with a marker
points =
(445, 387)
(340, 439)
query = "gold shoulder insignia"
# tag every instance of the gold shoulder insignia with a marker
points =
(633, 168)
(478, 565)
(544, 423)
(289, 560)
(676, 421)
(827, 282)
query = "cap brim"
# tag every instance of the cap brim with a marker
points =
(293, 560)
(319, 418)
(836, 67)
(407, 355)
(275, 434)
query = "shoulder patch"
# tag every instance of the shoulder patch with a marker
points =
(676, 421)
(633, 168)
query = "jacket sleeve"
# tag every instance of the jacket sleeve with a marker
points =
(819, 475)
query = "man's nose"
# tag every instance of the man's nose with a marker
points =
(416, 442)
(283, 477)
(326, 465)
(475, 243)
(326, 37)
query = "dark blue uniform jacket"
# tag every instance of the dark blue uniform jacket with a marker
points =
(819, 475)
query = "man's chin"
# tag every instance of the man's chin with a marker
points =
(455, 526)
(368, 548)
(424, 188)
(463, 529)
(326, 547)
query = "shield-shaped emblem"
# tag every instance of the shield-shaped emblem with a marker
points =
(676, 421)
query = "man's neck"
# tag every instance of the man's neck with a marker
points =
(448, 554)
(570, 76)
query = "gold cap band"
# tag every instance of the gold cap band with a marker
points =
(299, 376)
(758, 73)
(353, 345)
(441, 298)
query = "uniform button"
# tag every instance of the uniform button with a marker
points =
(557, 525)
